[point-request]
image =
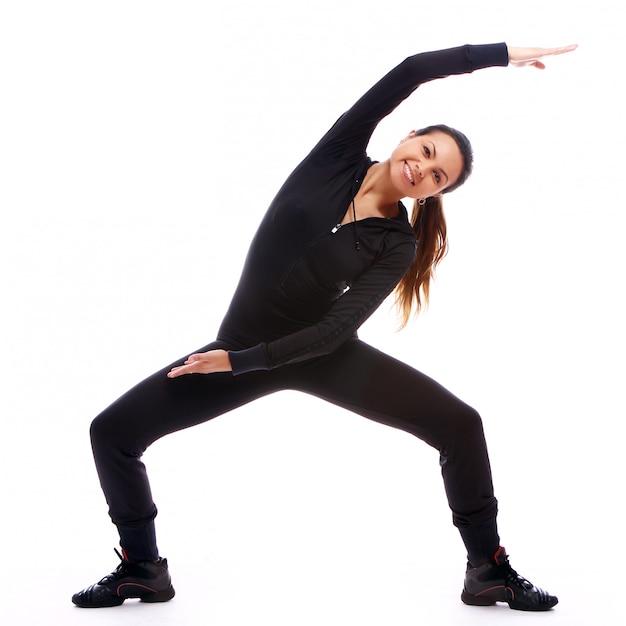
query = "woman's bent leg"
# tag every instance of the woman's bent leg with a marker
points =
(375, 385)
(155, 407)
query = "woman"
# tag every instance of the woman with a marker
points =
(334, 243)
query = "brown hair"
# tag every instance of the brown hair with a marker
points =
(429, 224)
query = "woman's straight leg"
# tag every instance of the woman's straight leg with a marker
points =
(368, 382)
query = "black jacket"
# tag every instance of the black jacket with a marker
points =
(305, 287)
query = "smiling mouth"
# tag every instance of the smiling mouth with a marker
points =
(407, 174)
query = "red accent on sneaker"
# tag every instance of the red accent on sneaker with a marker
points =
(140, 586)
(490, 589)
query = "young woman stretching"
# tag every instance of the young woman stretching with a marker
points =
(334, 243)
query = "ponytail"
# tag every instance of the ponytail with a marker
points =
(429, 225)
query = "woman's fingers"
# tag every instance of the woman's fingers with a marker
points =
(192, 365)
(559, 50)
(177, 371)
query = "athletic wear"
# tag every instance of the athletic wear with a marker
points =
(356, 377)
(291, 303)
(149, 581)
(499, 582)
(305, 289)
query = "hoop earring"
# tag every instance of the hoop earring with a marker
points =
(421, 201)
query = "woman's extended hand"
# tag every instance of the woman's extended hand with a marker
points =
(203, 363)
(522, 57)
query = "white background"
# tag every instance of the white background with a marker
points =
(140, 143)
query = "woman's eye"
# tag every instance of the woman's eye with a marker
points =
(437, 177)
(427, 151)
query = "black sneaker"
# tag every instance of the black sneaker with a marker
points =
(499, 582)
(147, 580)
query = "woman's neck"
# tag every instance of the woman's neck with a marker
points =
(376, 196)
(377, 192)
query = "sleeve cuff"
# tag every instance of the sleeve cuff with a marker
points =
(248, 360)
(489, 55)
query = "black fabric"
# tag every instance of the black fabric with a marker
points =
(304, 291)
(356, 377)
(291, 303)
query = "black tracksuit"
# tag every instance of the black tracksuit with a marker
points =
(306, 287)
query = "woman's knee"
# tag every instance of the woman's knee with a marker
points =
(100, 431)
(106, 433)
(466, 424)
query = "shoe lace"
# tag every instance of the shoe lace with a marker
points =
(119, 571)
(512, 577)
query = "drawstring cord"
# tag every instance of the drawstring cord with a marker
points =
(357, 244)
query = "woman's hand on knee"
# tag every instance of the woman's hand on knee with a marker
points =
(203, 363)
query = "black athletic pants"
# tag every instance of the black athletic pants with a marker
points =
(356, 377)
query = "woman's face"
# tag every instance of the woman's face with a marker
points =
(424, 165)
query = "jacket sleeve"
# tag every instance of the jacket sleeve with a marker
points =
(349, 136)
(345, 316)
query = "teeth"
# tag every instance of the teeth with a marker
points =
(407, 171)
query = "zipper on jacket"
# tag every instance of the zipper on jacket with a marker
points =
(333, 230)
